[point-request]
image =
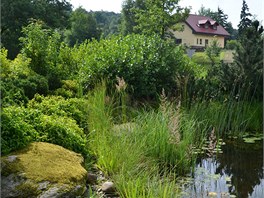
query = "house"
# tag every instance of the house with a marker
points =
(199, 31)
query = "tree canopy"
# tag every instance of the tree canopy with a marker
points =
(17, 13)
(151, 16)
(83, 26)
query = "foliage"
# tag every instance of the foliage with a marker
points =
(16, 132)
(69, 89)
(83, 26)
(234, 116)
(232, 45)
(147, 64)
(108, 22)
(249, 61)
(245, 21)
(213, 51)
(149, 17)
(128, 15)
(42, 47)
(157, 138)
(206, 12)
(19, 83)
(74, 108)
(16, 14)
(221, 17)
(51, 119)
(62, 131)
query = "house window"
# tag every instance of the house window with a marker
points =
(206, 42)
(201, 41)
(178, 41)
(214, 27)
(206, 26)
(197, 41)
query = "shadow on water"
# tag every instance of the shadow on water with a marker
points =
(237, 172)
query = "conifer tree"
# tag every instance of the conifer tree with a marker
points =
(249, 59)
(221, 17)
(245, 21)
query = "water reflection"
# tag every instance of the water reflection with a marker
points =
(238, 172)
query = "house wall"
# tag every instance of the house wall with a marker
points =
(190, 39)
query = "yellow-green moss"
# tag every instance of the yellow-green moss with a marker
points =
(48, 162)
(28, 189)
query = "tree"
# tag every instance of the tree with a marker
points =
(17, 13)
(206, 12)
(83, 26)
(107, 22)
(245, 21)
(213, 51)
(159, 16)
(42, 46)
(128, 15)
(221, 17)
(151, 16)
(249, 60)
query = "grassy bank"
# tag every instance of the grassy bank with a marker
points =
(145, 155)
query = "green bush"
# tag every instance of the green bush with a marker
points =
(147, 64)
(74, 108)
(49, 119)
(19, 82)
(232, 45)
(16, 132)
(69, 89)
(62, 131)
(201, 58)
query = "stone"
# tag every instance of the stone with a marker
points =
(11, 158)
(212, 194)
(91, 178)
(43, 170)
(108, 187)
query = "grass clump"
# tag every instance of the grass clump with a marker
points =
(231, 117)
(141, 155)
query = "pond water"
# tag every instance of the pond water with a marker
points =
(237, 172)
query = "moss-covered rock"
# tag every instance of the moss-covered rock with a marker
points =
(43, 170)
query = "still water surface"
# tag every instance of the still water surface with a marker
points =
(237, 172)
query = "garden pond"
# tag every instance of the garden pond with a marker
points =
(234, 170)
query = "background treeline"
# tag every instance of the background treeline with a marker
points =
(75, 25)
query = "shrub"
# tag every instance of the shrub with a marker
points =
(19, 82)
(69, 89)
(62, 131)
(147, 64)
(74, 108)
(232, 45)
(51, 119)
(16, 132)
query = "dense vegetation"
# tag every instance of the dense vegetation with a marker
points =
(103, 90)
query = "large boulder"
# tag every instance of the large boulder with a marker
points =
(43, 170)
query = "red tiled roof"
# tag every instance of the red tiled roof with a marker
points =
(194, 20)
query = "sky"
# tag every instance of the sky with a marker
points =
(230, 7)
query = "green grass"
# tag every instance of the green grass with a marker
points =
(144, 155)
(230, 117)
